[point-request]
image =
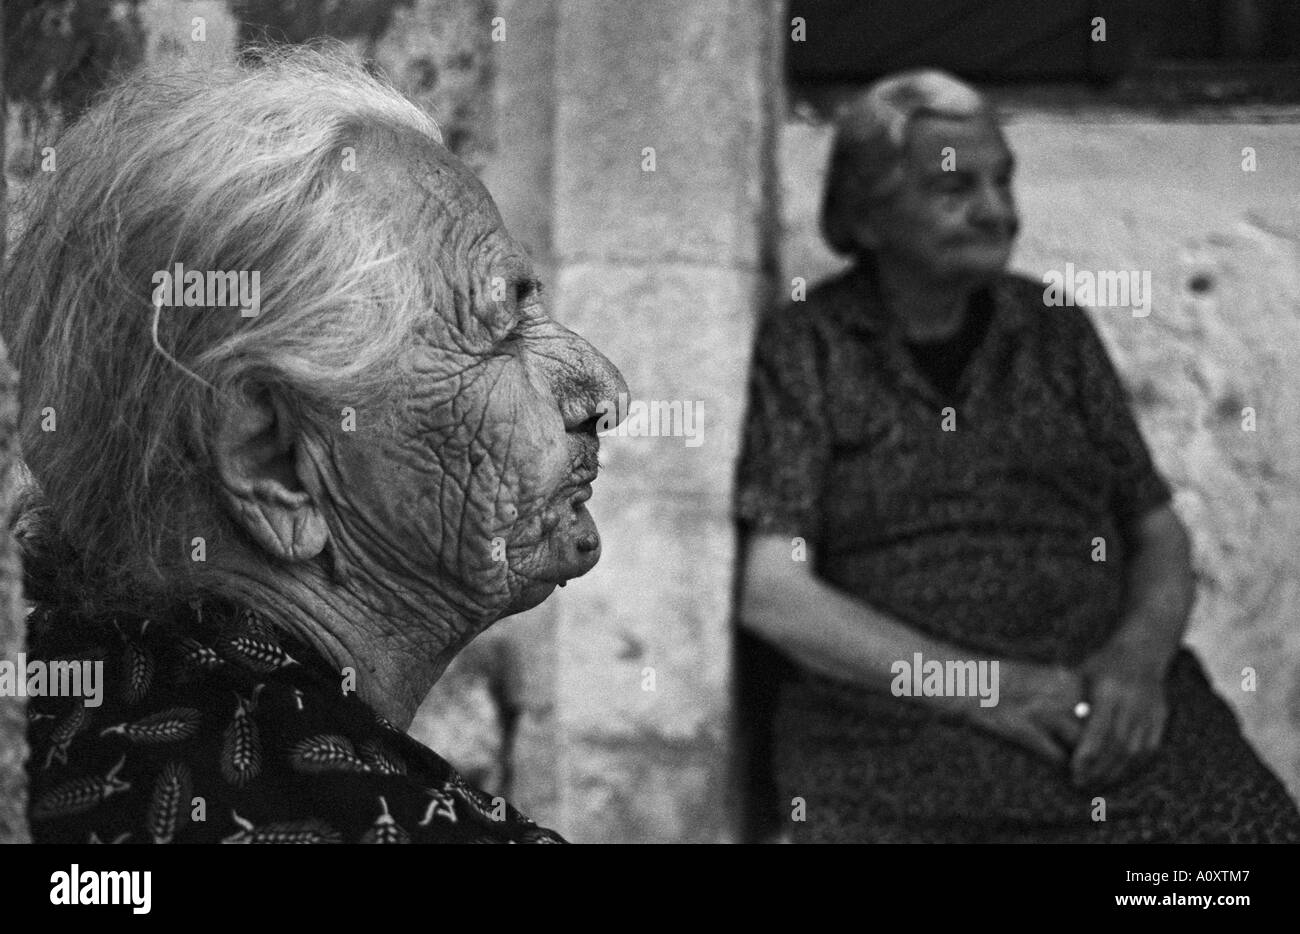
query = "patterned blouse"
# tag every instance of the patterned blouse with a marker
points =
(215, 727)
(974, 516)
(971, 517)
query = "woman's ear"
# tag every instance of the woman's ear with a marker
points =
(266, 478)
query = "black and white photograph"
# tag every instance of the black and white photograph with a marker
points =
(675, 422)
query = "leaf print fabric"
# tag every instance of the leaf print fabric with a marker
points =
(63, 734)
(385, 829)
(166, 726)
(79, 794)
(169, 805)
(223, 729)
(241, 748)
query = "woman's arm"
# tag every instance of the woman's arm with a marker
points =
(832, 633)
(1160, 588)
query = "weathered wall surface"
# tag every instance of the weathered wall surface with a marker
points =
(662, 269)
(1104, 192)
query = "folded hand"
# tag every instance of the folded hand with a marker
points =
(1127, 719)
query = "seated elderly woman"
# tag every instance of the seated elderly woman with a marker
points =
(277, 519)
(951, 451)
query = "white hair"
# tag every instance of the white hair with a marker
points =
(867, 159)
(240, 166)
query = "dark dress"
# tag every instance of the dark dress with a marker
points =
(215, 727)
(983, 537)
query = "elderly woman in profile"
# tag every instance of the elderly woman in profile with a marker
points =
(277, 529)
(952, 451)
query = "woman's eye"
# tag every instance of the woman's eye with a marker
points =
(527, 291)
(521, 308)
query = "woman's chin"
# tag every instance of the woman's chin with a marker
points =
(573, 548)
(576, 543)
(984, 261)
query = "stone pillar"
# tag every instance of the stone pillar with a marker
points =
(520, 174)
(662, 192)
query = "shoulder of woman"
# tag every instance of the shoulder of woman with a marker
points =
(1029, 298)
(804, 312)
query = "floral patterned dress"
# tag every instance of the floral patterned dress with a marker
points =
(972, 514)
(215, 727)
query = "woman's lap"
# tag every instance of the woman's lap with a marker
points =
(868, 771)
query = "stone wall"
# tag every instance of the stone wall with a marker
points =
(662, 171)
(1108, 189)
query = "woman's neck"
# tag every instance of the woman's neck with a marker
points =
(395, 653)
(925, 309)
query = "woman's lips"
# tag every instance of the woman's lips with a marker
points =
(588, 540)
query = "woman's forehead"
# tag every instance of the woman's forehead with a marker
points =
(439, 177)
(977, 138)
(431, 196)
(978, 129)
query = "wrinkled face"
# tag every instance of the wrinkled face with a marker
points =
(480, 493)
(954, 224)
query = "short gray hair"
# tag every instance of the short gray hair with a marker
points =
(239, 166)
(867, 159)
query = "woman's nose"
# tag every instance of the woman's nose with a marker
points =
(588, 386)
(993, 207)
